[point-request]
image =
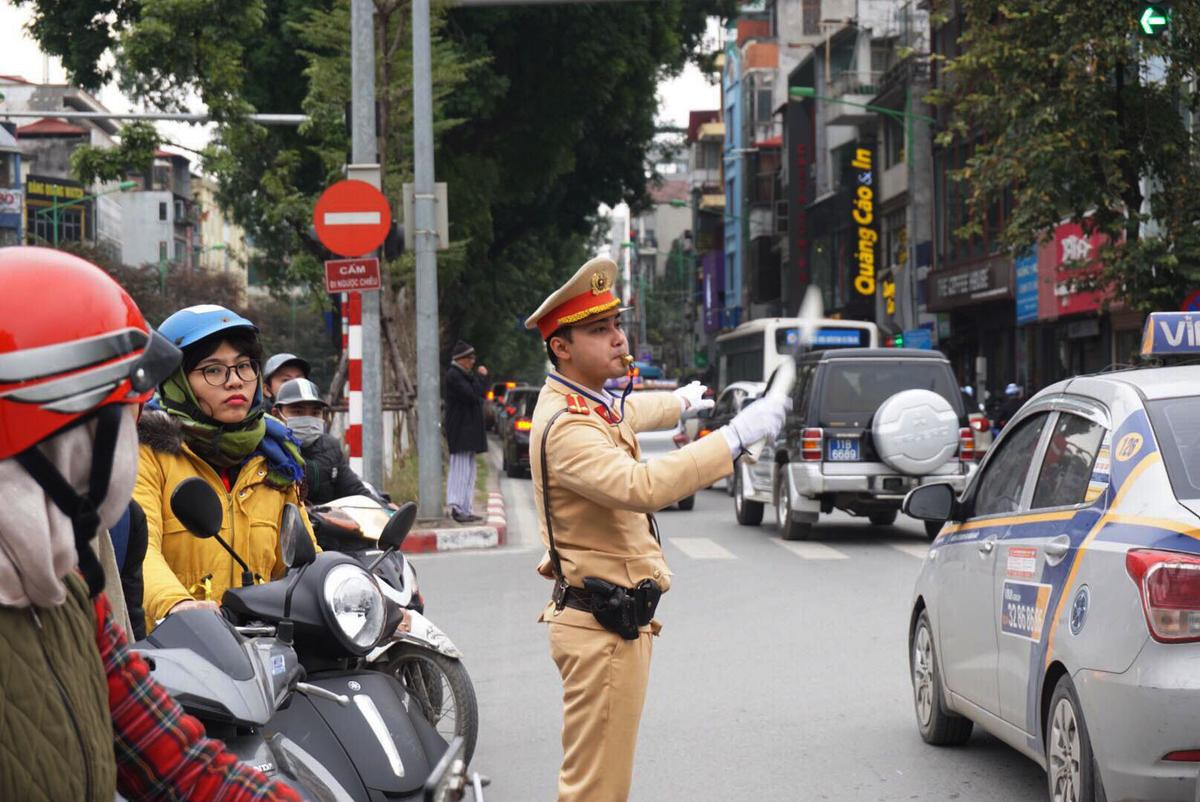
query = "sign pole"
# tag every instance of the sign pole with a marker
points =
(429, 441)
(364, 151)
(354, 375)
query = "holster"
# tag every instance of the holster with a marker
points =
(619, 609)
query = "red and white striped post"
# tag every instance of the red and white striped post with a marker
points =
(355, 374)
(345, 306)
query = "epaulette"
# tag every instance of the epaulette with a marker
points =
(577, 404)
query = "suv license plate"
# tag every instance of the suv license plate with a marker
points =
(843, 449)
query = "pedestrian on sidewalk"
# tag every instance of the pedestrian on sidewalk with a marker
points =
(595, 500)
(465, 389)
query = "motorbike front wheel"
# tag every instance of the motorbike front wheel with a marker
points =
(443, 689)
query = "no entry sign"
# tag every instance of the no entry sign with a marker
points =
(351, 275)
(352, 218)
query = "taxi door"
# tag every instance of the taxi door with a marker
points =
(966, 560)
(1034, 556)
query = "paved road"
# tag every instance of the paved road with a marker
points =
(781, 673)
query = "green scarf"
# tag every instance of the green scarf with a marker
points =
(221, 445)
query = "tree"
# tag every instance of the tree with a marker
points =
(532, 134)
(1063, 105)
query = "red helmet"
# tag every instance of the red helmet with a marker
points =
(71, 341)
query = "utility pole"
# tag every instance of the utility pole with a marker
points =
(363, 150)
(429, 441)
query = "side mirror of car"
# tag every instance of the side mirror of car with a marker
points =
(935, 502)
(295, 544)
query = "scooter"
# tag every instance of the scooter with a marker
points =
(424, 659)
(345, 733)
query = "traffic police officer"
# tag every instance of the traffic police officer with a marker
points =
(595, 500)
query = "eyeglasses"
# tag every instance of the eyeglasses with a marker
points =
(217, 375)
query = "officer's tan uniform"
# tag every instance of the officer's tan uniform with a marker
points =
(599, 496)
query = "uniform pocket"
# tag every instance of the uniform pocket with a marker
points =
(649, 566)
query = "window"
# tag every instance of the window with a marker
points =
(853, 389)
(1067, 466)
(162, 211)
(895, 239)
(179, 211)
(1176, 424)
(162, 250)
(893, 141)
(762, 105)
(1000, 487)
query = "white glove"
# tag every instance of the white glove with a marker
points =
(691, 399)
(761, 420)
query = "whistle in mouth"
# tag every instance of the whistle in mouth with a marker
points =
(627, 359)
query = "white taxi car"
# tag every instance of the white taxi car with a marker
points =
(1059, 607)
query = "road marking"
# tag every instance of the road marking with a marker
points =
(701, 548)
(918, 550)
(352, 218)
(807, 550)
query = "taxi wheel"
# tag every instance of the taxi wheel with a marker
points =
(936, 725)
(1071, 771)
(749, 513)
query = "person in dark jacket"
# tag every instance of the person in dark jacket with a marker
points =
(464, 391)
(129, 538)
(327, 472)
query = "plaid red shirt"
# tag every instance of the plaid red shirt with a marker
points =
(161, 751)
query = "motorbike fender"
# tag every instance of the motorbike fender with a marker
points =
(372, 744)
(424, 633)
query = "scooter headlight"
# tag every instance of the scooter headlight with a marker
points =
(354, 606)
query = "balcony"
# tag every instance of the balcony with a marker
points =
(854, 87)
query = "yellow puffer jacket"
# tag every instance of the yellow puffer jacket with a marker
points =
(180, 566)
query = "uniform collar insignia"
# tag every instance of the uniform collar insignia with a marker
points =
(571, 387)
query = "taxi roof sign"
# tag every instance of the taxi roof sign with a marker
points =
(1171, 334)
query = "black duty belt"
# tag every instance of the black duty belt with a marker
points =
(577, 599)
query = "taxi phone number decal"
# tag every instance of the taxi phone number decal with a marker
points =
(1024, 609)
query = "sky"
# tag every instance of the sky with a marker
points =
(20, 56)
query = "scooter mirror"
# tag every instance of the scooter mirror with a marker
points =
(197, 507)
(398, 526)
(296, 545)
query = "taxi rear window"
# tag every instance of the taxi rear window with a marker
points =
(1176, 423)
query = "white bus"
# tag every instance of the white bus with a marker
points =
(753, 350)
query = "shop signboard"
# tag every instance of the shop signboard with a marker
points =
(1025, 269)
(1070, 256)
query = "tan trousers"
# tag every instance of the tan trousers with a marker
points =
(604, 681)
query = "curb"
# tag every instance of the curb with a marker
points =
(489, 535)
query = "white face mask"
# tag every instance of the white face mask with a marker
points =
(306, 428)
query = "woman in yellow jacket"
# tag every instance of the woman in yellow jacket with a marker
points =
(210, 421)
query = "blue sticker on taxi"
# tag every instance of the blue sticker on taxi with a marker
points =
(1024, 610)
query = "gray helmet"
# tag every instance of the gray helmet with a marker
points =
(279, 360)
(298, 391)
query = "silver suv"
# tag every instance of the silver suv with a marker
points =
(867, 425)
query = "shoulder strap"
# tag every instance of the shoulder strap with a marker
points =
(554, 561)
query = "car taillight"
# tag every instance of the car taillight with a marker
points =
(810, 445)
(966, 444)
(680, 439)
(510, 410)
(703, 433)
(523, 424)
(491, 395)
(1169, 585)
(510, 385)
(1184, 756)
(980, 424)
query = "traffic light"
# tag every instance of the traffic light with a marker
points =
(895, 341)
(1154, 19)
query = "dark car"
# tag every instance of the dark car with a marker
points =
(867, 425)
(493, 402)
(513, 422)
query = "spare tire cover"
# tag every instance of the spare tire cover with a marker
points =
(915, 431)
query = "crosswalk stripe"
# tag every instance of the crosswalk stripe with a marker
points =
(918, 550)
(807, 550)
(701, 548)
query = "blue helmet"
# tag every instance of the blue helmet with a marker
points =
(193, 323)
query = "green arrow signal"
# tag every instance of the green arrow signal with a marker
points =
(1152, 17)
